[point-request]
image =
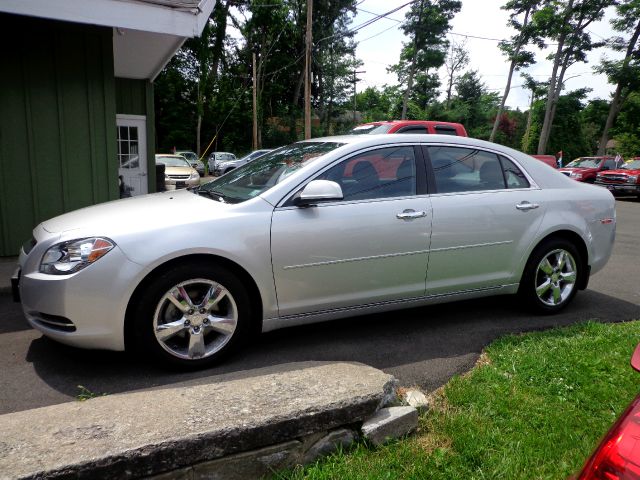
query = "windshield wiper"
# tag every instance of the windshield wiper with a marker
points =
(209, 193)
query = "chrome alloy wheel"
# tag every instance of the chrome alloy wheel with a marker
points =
(195, 319)
(555, 277)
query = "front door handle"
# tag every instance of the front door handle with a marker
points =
(524, 206)
(410, 214)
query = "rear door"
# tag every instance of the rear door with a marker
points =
(485, 213)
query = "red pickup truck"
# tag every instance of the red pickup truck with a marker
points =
(585, 169)
(623, 181)
(411, 126)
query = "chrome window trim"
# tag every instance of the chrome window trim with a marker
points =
(286, 198)
(532, 183)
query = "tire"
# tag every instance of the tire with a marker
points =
(552, 275)
(195, 332)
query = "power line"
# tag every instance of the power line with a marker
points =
(373, 13)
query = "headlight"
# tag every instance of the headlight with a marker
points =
(194, 175)
(632, 179)
(575, 175)
(70, 257)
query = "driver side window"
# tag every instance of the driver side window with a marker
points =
(380, 173)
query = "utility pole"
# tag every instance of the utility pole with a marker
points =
(354, 81)
(307, 74)
(255, 106)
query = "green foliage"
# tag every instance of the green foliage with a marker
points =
(535, 408)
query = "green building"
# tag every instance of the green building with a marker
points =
(76, 102)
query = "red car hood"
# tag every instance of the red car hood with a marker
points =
(621, 171)
(581, 170)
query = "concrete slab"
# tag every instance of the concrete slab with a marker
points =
(390, 423)
(154, 431)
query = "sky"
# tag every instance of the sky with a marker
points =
(379, 46)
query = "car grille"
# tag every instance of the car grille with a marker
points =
(615, 178)
(54, 322)
(178, 177)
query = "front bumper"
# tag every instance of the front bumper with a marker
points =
(176, 184)
(85, 309)
(620, 188)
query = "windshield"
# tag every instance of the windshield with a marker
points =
(266, 171)
(362, 129)
(381, 129)
(189, 156)
(585, 163)
(254, 154)
(173, 161)
(633, 165)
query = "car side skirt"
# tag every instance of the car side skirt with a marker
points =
(334, 314)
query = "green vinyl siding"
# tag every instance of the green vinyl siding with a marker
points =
(135, 97)
(57, 123)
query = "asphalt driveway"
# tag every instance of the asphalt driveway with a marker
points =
(422, 347)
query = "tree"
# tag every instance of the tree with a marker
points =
(427, 22)
(537, 89)
(514, 49)
(457, 59)
(565, 22)
(625, 73)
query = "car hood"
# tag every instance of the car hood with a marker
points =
(578, 169)
(141, 213)
(622, 171)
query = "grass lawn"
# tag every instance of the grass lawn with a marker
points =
(535, 406)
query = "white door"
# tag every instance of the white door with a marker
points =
(132, 155)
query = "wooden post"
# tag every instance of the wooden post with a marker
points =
(307, 73)
(255, 106)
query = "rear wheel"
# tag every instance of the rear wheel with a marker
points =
(551, 276)
(192, 316)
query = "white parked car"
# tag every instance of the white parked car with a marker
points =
(318, 230)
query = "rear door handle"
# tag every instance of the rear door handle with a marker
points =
(524, 206)
(410, 214)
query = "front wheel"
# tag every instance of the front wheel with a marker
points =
(550, 279)
(192, 316)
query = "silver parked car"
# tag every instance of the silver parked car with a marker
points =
(225, 166)
(318, 230)
(216, 158)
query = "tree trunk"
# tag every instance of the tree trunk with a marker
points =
(407, 92)
(512, 68)
(551, 93)
(616, 103)
(527, 131)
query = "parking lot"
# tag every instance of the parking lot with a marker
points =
(422, 347)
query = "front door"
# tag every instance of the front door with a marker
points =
(132, 155)
(370, 247)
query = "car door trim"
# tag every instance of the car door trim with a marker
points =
(355, 259)
(335, 313)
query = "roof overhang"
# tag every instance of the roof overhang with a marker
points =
(147, 33)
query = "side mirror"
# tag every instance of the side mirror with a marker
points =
(635, 359)
(319, 191)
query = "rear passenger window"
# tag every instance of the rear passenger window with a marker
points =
(513, 175)
(381, 173)
(465, 170)
(445, 130)
(413, 129)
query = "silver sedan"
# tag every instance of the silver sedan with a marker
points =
(319, 230)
